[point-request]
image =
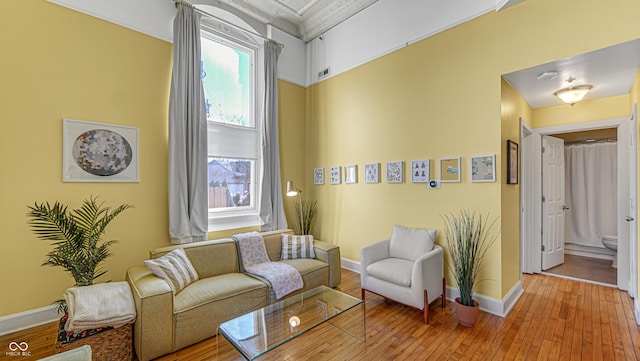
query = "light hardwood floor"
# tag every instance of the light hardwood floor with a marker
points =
(556, 319)
(587, 268)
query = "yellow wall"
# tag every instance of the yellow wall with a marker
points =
(436, 98)
(291, 116)
(585, 111)
(513, 108)
(57, 63)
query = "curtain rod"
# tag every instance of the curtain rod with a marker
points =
(202, 12)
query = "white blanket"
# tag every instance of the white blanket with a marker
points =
(284, 278)
(100, 305)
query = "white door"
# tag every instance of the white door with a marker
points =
(530, 198)
(627, 213)
(552, 202)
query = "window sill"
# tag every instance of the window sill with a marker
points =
(223, 223)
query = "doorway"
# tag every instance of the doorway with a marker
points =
(531, 195)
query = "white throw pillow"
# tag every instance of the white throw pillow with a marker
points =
(175, 268)
(411, 243)
(297, 247)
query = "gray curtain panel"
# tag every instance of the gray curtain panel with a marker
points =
(272, 214)
(188, 198)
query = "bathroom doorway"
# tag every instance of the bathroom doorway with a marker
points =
(590, 207)
(531, 195)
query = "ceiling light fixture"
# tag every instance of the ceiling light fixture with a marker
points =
(574, 94)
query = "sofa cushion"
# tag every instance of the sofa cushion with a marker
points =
(411, 243)
(394, 270)
(203, 305)
(175, 268)
(215, 288)
(297, 247)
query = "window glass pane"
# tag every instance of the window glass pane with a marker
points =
(231, 183)
(226, 78)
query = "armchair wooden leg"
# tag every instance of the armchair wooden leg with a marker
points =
(362, 296)
(444, 290)
(426, 307)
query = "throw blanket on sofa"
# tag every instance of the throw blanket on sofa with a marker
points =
(284, 278)
(101, 305)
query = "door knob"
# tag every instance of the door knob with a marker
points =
(564, 208)
(629, 219)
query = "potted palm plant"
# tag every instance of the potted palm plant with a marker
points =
(75, 237)
(469, 236)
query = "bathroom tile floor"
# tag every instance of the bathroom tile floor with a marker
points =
(587, 268)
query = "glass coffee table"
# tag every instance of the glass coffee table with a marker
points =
(256, 333)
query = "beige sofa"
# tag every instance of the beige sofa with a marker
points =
(166, 322)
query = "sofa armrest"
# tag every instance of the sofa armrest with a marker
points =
(329, 253)
(153, 328)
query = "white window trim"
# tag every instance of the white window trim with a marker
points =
(219, 220)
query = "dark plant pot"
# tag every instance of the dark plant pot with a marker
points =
(467, 315)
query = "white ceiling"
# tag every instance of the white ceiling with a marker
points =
(611, 71)
(304, 19)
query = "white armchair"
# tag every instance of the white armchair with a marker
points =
(408, 268)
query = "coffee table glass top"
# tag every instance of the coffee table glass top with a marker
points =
(260, 331)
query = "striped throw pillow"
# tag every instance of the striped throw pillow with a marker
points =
(297, 247)
(175, 268)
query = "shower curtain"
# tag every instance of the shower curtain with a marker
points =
(591, 184)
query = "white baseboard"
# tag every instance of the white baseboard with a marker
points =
(637, 310)
(28, 319)
(350, 265)
(491, 305)
(487, 304)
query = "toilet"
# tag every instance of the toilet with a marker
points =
(611, 242)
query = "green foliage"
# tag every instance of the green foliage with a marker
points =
(75, 236)
(469, 237)
(308, 214)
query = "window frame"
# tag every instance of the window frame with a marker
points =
(246, 216)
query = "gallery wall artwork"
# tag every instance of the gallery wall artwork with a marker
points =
(395, 172)
(483, 168)
(450, 170)
(99, 152)
(372, 173)
(419, 171)
(335, 175)
(318, 176)
(351, 174)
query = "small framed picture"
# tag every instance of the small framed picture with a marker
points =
(351, 174)
(395, 172)
(483, 168)
(335, 175)
(372, 173)
(318, 175)
(450, 170)
(512, 162)
(419, 171)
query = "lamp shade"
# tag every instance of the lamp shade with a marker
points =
(291, 190)
(574, 94)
